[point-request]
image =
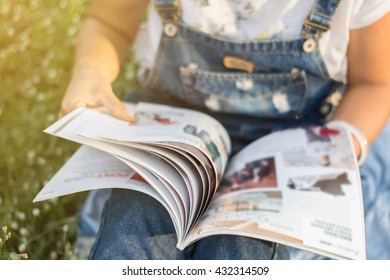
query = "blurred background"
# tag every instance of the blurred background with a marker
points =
(37, 39)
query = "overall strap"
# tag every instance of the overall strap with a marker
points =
(320, 17)
(169, 10)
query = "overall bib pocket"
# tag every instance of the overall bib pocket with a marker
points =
(271, 95)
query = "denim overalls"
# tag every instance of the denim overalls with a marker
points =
(252, 88)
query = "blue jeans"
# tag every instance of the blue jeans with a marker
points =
(136, 226)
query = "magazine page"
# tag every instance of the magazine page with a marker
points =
(188, 168)
(66, 128)
(174, 176)
(161, 123)
(171, 199)
(194, 166)
(299, 187)
(88, 169)
(214, 139)
(203, 162)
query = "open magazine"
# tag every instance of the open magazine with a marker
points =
(299, 187)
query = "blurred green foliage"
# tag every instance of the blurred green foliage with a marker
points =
(37, 39)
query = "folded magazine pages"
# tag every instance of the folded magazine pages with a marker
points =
(300, 187)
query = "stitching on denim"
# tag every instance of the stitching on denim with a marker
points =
(300, 82)
(221, 76)
(258, 53)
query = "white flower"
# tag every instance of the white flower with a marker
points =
(52, 74)
(65, 228)
(53, 255)
(23, 231)
(20, 215)
(14, 225)
(22, 247)
(26, 186)
(41, 161)
(36, 212)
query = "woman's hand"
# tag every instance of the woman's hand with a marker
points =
(103, 45)
(90, 89)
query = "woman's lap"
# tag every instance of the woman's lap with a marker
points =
(136, 226)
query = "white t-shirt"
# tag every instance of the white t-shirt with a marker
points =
(241, 20)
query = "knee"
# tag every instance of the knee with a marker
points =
(137, 213)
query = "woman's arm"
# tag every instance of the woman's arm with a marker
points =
(102, 46)
(367, 101)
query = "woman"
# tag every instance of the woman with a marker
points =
(257, 66)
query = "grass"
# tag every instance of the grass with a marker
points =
(37, 39)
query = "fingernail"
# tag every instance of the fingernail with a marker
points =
(131, 119)
(128, 117)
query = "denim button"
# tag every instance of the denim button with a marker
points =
(309, 45)
(170, 29)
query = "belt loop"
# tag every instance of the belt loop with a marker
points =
(169, 10)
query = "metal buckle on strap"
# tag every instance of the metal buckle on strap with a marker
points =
(169, 12)
(309, 24)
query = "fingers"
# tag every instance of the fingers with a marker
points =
(88, 90)
(117, 109)
(77, 103)
(111, 105)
